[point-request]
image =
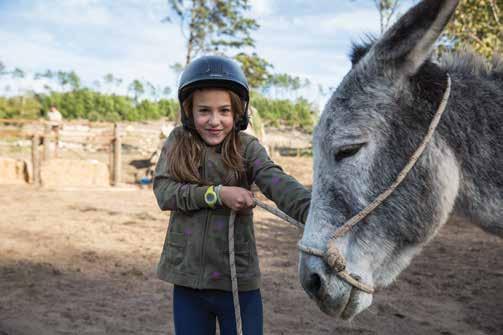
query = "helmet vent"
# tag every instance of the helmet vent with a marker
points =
(216, 69)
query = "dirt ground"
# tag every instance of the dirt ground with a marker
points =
(83, 262)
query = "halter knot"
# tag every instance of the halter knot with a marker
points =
(334, 258)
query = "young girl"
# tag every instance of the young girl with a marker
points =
(205, 170)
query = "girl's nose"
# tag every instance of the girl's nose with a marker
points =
(214, 119)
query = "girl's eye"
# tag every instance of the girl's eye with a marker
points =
(348, 151)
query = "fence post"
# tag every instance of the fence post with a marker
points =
(117, 155)
(35, 159)
(111, 160)
(56, 143)
(47, 140)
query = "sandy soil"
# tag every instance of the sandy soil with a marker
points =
(83, 262)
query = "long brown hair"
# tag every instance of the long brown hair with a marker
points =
(186, 153)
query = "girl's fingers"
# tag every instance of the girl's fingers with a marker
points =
(249, 203)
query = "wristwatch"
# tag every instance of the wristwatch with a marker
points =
(210, 197)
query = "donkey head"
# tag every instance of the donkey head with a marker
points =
(367, 132)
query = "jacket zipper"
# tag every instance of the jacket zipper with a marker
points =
(205, 227)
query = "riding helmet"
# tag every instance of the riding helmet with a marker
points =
(214, 72)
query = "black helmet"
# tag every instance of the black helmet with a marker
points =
(214, 71)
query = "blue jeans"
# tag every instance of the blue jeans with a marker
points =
(195, 311)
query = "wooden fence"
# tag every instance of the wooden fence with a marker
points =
(49, 132)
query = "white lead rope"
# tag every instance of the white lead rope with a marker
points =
(234, 281)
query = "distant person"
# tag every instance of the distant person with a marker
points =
(204, 171)
(56, 123)
(54, 116)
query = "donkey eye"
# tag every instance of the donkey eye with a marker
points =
(348, 151)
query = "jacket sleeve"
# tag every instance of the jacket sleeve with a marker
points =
(171, 194)
(287, 193)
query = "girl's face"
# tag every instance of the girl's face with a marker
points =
(212, 112)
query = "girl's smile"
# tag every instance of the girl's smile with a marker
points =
(214, 131)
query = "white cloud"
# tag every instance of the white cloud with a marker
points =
(313, 46)
(81, 12)
(261, 7)
(361, 21)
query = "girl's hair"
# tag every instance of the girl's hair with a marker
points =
(185, 156)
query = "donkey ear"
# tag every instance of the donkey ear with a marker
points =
(409, 42)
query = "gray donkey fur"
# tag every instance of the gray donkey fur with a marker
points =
(367, 132)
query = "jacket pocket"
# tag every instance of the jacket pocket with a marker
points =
(242, 254)
(176, 244)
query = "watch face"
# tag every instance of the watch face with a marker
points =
(210, 197)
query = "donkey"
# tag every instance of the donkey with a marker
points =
(366, 134)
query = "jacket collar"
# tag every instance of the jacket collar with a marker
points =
(217, 148)
(207, 148)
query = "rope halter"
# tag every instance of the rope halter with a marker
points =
(332, 256)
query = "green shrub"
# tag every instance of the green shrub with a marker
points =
(95, 106)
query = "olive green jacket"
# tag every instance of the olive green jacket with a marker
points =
(196, 247)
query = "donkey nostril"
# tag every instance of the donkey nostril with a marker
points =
(314, 284)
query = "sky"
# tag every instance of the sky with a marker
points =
(306, 38)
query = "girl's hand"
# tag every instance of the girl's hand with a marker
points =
(236, 198)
